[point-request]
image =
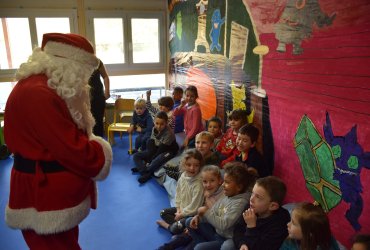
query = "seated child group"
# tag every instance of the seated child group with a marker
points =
(222, 194)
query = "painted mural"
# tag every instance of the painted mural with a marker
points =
(296, 23)
(332, 166)
(291, 63)
(350, 158)
(318, 165)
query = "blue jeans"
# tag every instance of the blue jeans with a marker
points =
(228, 245)
(205, 236)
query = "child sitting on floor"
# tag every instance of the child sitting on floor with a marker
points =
(264, 222)
(213, 190)
(214, 126)
(246, 150)
(142, 123)
(189, 193)
(309, 229)
(165, 104)
(162, 146)
(217, 224)
(227, 145)
(204, 144)
(192, 116)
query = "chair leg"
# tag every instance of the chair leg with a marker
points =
(111, 137)
(130, 143)
(108, 136)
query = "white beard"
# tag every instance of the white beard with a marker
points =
(69, 79)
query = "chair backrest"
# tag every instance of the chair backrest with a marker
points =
(122, 105)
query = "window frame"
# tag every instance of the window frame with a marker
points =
(32, 14)
(129, 67)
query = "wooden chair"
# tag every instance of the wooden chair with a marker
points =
(122, 115)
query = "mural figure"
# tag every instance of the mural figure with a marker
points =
(296, 21)
(202, 18)
(318, 164)
(217, 22)
(238, 95)
(179, 25)
(349, 158)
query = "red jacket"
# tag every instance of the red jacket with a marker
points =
(227, 145)
(39, 127)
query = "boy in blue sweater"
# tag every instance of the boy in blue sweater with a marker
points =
(142, 123)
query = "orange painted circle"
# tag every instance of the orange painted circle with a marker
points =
(206, 92)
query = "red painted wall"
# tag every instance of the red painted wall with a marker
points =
(332, 74)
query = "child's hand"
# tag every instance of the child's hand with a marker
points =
(194, 222)
(178, 216)
(185, 143)
(183, 102)
(207, 194)
(202, 210)
(139, 129)
(250, 218)
(130, 129)
(207, 203)
(244, 247)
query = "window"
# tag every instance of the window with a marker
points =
(128, 41)
(51, 24)
(5, 89)
(145, 42)
(135, 86)
(22, 30)
(15, 42)
(131, 44)
(132, 47)
(109, 37)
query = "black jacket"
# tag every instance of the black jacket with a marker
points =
(268, 234)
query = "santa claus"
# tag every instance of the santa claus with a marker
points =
(57, 159)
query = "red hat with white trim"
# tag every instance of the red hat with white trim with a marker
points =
(69, 46)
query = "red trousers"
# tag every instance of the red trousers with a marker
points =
(61, 241)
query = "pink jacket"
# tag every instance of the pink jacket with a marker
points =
(192, 119)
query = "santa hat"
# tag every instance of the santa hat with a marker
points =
(70, 46)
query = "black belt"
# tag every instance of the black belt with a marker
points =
(29, 166)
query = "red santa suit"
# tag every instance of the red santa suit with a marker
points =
(57, 158)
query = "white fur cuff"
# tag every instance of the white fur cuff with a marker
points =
(107, 149)
(47, 222)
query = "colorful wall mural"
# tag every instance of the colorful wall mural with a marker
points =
(302, 67)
